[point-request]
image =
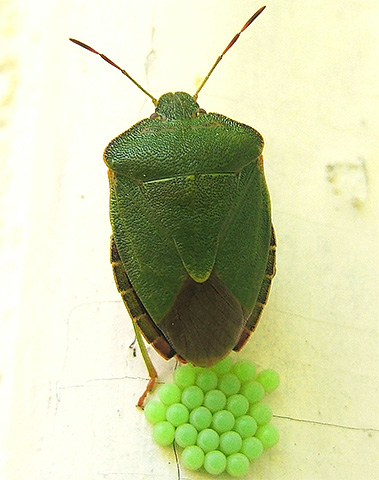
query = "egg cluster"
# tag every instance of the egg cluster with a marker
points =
(216, 415)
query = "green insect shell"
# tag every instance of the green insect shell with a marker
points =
(193, 248)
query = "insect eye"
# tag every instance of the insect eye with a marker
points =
(198, 112)
(155, 115)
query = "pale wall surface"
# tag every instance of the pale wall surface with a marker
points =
(306, 76)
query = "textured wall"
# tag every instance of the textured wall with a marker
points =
(306, 76)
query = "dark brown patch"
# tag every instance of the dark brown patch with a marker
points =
(205, 322)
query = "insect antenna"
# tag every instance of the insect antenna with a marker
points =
(231, 43)
(124, 72)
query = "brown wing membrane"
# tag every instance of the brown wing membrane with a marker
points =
(264, 291)
(205, 321)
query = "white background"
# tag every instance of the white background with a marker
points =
(305, 75)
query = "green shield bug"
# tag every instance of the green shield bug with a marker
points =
(193, 247)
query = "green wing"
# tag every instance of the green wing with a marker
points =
(245, 238)
(146, 249)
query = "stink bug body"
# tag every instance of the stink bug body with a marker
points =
(193, 247)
